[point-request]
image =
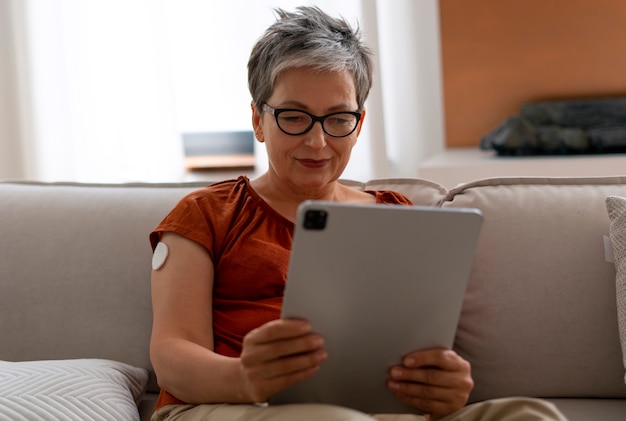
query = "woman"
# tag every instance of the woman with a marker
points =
(218, 346)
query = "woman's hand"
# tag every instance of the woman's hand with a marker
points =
(437, 381)
(279, 354)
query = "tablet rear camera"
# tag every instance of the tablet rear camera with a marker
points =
(315, 219)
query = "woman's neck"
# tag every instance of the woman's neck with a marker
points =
(285, 198)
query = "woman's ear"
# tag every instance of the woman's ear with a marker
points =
(360, 125)
(257, 120)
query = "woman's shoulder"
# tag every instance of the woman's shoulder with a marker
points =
(220, 190)
(390, 197)
(220, 201)
(377, 196)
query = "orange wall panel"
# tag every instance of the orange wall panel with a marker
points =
(499, 54)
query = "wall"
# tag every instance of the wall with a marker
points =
(498, 54)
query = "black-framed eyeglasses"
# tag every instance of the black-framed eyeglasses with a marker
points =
(297, 122)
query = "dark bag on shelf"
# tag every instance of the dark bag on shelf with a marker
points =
(562, 127)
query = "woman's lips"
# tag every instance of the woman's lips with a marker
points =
(313, 163)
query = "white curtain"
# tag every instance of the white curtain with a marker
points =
(87, 86)
(12, 138)
(99, 102)
(407, 119)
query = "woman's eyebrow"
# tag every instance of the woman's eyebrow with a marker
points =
(299, 105)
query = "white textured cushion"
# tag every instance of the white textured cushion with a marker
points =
(616, 207)
(82, 389)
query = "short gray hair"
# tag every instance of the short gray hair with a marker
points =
(308, 37)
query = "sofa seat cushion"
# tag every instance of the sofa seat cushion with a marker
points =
(591, 409)
(93, 389)
(616, 207)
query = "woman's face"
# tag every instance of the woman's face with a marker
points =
(314, 159)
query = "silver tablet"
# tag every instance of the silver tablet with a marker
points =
(377, 282)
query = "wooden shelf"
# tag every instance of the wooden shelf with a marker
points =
(460, 165)
(219, 162)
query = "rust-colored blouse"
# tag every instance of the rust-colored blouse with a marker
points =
(249, 244)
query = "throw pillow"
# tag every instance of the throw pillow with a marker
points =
(616, 207)
(92, 389)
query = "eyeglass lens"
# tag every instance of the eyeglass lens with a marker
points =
(297, 122)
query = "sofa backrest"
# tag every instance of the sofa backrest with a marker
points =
(540, 316)
(421, 192)
(75, 269)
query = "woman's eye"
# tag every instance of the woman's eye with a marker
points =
(341, 120)
(294, 118)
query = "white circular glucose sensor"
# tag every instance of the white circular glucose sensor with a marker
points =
(159, 256)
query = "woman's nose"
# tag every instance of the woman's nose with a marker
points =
(316, 137)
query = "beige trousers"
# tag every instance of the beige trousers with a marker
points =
(507, 409)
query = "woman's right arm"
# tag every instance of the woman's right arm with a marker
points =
(274, 356)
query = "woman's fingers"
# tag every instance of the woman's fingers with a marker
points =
(436, 381)
(278, 354)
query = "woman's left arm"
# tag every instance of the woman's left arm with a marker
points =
(437, 381)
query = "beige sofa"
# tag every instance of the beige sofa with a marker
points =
(539, 317)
